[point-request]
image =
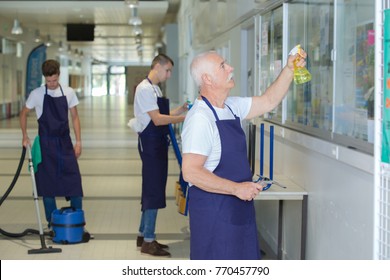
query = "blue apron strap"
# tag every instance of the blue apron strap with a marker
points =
(213, 110)
(61, 90)
(211, 107)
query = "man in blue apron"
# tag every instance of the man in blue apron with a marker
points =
(215, 163)
(58, 174)
(152, 116)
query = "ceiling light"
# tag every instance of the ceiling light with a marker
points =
(158, 45)
(140, 48)
(16, 29)
(48, 42)
(138, 39)
(135, 19)
(37, 38)
(60, 46)
(137, 30)
(132, 3)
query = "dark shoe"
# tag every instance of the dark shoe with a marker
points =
(140, 240)
(152, 248)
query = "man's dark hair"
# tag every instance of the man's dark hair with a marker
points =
(50, 67)
(161, 59)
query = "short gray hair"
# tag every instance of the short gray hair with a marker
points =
(201, 65)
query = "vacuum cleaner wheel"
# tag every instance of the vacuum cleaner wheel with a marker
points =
(86, 236)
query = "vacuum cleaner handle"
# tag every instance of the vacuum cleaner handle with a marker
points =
(63, 209)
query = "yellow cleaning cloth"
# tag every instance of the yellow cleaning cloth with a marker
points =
(36, 153)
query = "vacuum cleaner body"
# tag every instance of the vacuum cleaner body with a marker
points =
(68, 226)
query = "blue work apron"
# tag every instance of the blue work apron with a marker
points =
(223, 227)
(58, 173)
(153, 150)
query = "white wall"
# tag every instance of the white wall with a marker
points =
(340, 205)
(172, 91)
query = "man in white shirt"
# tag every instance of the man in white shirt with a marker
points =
(152, 116)
(215, 163)
(58, 174)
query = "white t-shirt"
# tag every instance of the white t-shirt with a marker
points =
(200, 134)
(35, 99)
(145, 100)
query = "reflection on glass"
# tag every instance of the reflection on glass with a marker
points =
(354, 104)
(271, 54)
(338, 103)
(311, 25)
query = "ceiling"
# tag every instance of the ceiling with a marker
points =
(114, 42)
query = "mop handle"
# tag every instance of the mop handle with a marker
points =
(271, 152)
(261, 149)
(175, 145)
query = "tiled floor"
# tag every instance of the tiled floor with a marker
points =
(110, 168)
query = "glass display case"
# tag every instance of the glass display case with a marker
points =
(271, 54)
(310, 104)
(338, 36)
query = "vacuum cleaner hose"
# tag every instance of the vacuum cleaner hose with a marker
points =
(18, 235)
(8, 191)
(21, 161)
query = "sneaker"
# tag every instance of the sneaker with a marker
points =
(140, 240)
(152, 248)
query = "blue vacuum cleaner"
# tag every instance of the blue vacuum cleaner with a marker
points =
(68, 226)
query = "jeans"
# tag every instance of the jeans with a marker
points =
(50, 205)
(147, 226)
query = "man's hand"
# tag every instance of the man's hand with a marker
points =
(26, 141)
(298, 59)
(247, 190)
(77, 149)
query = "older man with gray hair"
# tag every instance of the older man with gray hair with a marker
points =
(215, 163)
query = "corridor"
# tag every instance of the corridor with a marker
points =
(111, 175)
